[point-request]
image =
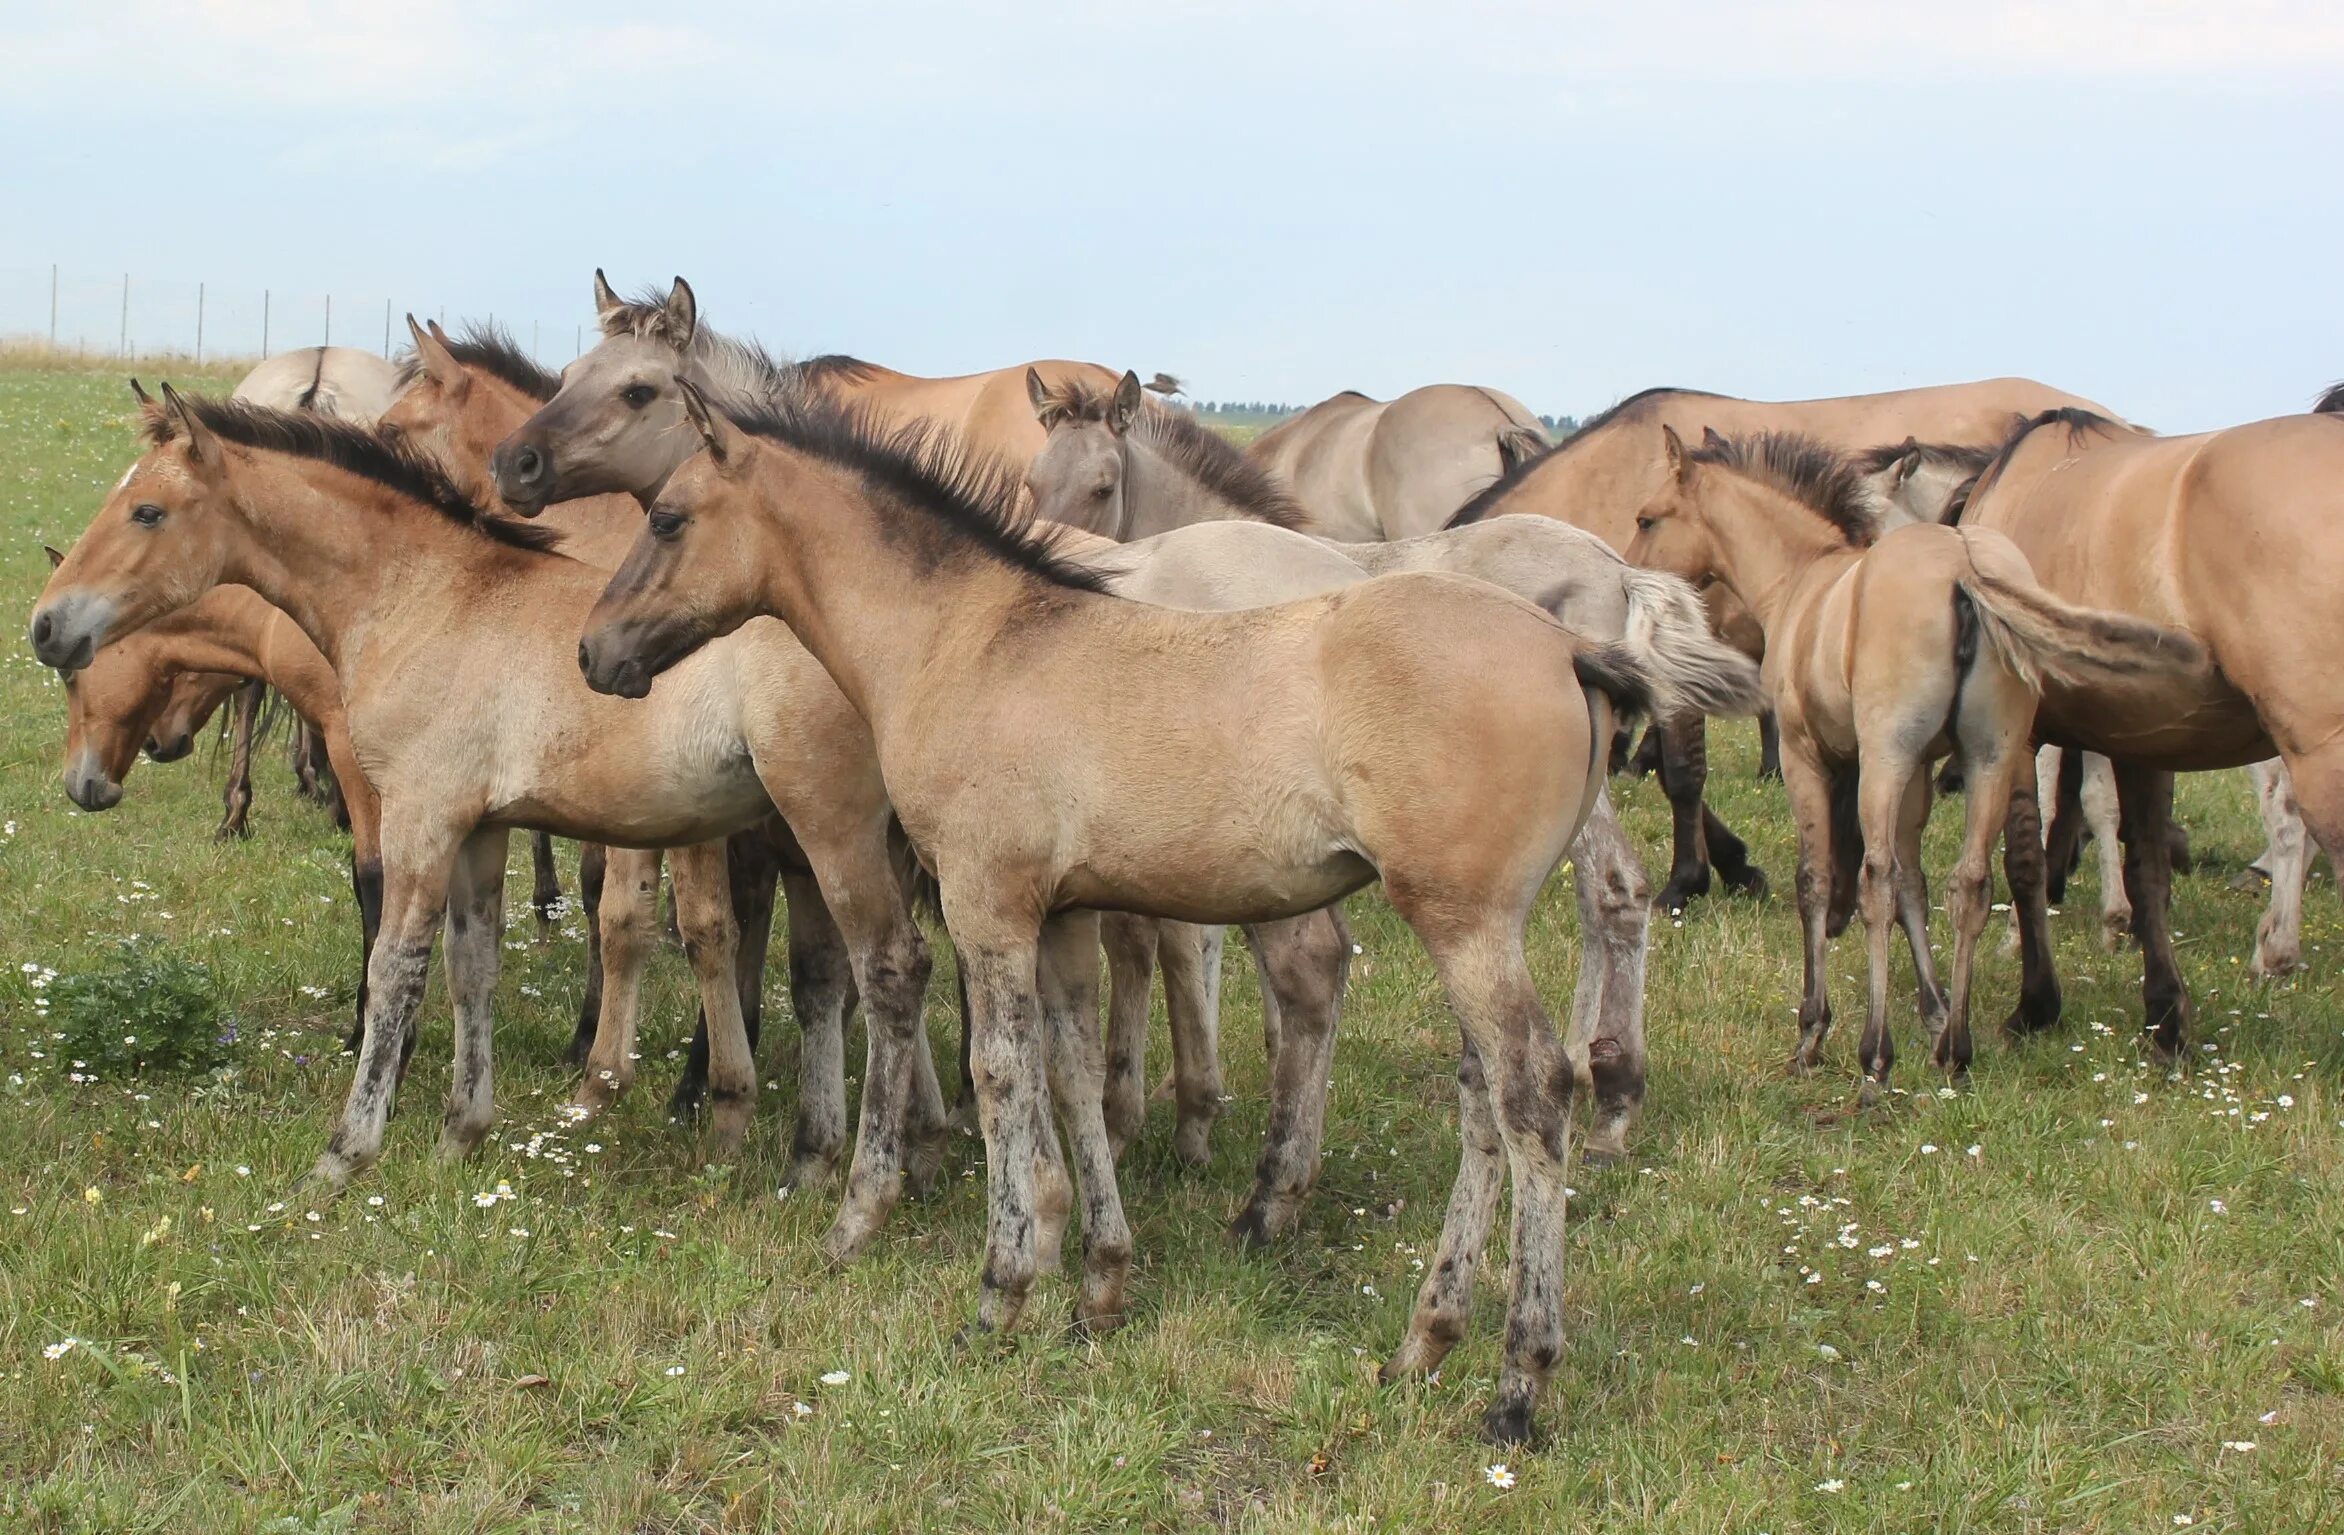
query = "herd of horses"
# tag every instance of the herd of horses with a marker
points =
(1034, 653)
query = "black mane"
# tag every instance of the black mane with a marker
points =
(835, 368)
(1968, 457)
(1817, 477)
(1485, 502)
(396, 466)
(926, 471)
(1202, 454)
(2330, 403)
(490, 348)
(2075, 418)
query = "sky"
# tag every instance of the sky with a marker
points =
(2138, 202)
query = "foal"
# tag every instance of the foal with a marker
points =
(1435, 732)
(1883, 652)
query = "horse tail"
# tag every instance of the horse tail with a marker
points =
(1689, 670)
(2039, 637)
(2331, 403)
(1518, 445)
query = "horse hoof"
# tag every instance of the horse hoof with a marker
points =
(1192, 1143)
(1251, 1230)
(1868, 1093)
(1507, 1423)
(1749, 881)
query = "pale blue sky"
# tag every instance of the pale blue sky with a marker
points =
(2139, 202)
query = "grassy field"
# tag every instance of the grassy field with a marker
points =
(2074, 1292)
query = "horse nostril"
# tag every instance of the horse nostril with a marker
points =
(41, 629)
(528, 464)
(585, 659)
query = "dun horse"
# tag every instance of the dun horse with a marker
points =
(1882, 656)
(1374, 470)
(302, 509)
(1435, 732)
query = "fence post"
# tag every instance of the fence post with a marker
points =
(122, 346)
(386, 327)
(329, 341)
(577, 342)
(264, 325)
(199, 325)
(52, 306)
(533, 338)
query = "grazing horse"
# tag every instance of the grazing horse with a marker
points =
(1052, 748)
(2232, 536)
(621, 385)
(1229, 546)
(124, 693)
(1611, 467)
(1374, 470)
(1883, 653)
(446, 626)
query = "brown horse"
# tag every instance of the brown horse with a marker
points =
(2230, 535)
(445, 625)
(1605, 473)
(622, 384)
(1435, 732)
(1883, 653)
(1375, 470)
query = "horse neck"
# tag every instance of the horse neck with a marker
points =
(1598, 482)
(871, 601)
(1158, 496)
(1765, 542)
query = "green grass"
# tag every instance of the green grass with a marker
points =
(2070, 1320)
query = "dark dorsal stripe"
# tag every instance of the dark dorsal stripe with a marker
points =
(925, 471)
(396, 466)
(1819, 478)
(1489, 500)
(2075, 418)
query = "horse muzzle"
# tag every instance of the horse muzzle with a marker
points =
(87, 785)
(67, 630)
(170, 748)
(609, 671)
(524, 476)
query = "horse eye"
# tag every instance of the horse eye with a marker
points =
(147, 515)
(1102, 492)
(638, 395)
(1643, 524)
(666, 524)
(389, 431)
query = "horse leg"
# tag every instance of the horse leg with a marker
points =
(702, 880)
(366, 871)
(2098, 798)
(1769, 746)
(1881, 792)
(1131, 944)
(903, 1119)
(751, 870)
(1273, 1022)
(1912, 902)
(1534, 1079)
(2278, 940)
(1808, 785)
(1190, 958)
(1607, 1005)
(545, 890)
(1306, 960)
(2023, 864)
(592, 860)
(1444, 1302)
(475, 946)
(417, 863)
(1684, 771)
(628, 913)
(1006, 1056)
(2318, 782)
(964, 1108)
(236, 798)
(2063, 769)
(2145, 799)
(821, 985)
(1068, 973)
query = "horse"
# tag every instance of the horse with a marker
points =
(647, 340)
(2229, 535)
(1600, 476)
(1885, 651)
(1231, 544)
(129, 689)
(1432, 731)
(1374, 470)
(446, 625)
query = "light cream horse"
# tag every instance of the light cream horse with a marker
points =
(1372, 470)
(1051, 749)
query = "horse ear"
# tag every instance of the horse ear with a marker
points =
(1680, 463)
(1710, 438)
(607, 304)
(138, 392)
(55, 558)
(1039, 393)
(1126, 407)
(1908, 463)
(683, 314)
(431, 345)
(203, 449)
(723, 440)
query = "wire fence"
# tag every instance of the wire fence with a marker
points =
(126, 316)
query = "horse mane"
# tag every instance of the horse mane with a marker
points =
(1484, 503)
(924, 469)
(491, 348)
(1967, 457)
(396, 466)
(2330, 403)
(2075, 418)
(1816, 476)
(1196, 451)
(836, 368)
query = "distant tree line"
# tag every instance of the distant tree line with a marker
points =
(1262, 412)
